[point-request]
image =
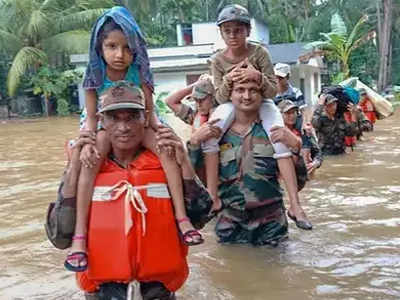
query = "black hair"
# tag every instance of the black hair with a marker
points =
(108, 26)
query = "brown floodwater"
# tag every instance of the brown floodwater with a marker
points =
(352, 253)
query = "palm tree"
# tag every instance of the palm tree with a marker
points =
(34, 31)
(338, 45)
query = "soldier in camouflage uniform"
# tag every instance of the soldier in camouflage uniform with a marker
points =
(248, 187)
(202, 92)
(332, 129)
(310, 149)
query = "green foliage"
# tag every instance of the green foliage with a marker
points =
(35, 31)
(53, 84)
(62, 107)
(48, 82)
(161, 107)
(338, 77)
(338, 45)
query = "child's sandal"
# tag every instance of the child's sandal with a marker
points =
(78, 256)
(191, 237)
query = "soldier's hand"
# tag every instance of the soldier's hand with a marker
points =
(284, 136)
(352, 108)
(308, 128)
(205, 132)
(321, 99)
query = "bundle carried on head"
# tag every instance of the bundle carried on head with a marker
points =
(345, 95)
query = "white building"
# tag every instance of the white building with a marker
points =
(176, 67)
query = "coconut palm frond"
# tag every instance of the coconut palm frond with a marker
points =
(26, 58)
(9, 42)
(93, 4)
(72, 42)
(56, 5)
(79, 20)
(38, 24)
(10, 11)
(24, 8)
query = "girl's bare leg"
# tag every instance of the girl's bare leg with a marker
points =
(84, 194)
(211, 160)
(295, 211)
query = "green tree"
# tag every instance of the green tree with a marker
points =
(33, 32)
(50, 82)
(338, 45)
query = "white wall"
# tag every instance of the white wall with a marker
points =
(171, 81)
(204, 33)
(259, 32)
(307, 73)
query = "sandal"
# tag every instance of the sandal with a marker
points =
(302, 224)
(189, 236)
(78, 256)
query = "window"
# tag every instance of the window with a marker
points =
(302, 85)
(316, 81)
(187, 34)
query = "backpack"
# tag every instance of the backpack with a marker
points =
(60, 220)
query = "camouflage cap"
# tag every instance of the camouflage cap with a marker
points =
(202, 89)
(286, 105)
(330, 99)
(233, 12)
(122, 95)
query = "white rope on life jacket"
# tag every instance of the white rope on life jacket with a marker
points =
(133, 291)
(132, 196)
(110, 193)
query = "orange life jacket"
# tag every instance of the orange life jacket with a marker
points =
(132, 234)
(350, 141)
(368, 109)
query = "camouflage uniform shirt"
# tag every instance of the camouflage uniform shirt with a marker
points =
(249, 189)
(331, 133)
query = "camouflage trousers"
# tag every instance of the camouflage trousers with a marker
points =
(257, 226)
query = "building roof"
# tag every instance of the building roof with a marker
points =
(287, 53)
(203, 50)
